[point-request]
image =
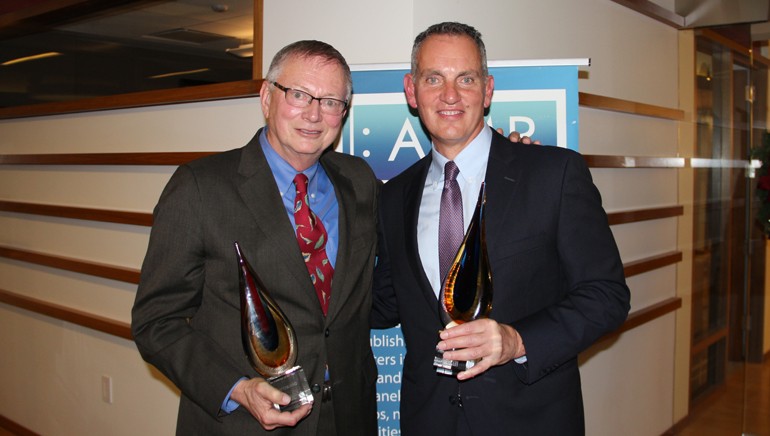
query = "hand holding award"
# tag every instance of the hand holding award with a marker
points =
(269, 339)
(466, 294)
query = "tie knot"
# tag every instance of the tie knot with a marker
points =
(451, 171)
(300, 181)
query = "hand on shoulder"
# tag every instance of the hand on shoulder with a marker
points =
(516, 137)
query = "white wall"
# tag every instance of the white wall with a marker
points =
(57, 366)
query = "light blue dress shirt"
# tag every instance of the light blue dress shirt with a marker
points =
(323, 201)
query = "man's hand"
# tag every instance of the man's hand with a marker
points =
(516, 137)
(258, 397)
(484, 340)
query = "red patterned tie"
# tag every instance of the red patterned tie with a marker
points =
(311, 237)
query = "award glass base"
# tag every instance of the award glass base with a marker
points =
(450, 367)
(293, 383)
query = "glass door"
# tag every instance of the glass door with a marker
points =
(756, 400)
(728, 244)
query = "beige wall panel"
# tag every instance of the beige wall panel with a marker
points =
(625, 380)
(103, 297)
(205, 126)
(652, 287)
(58, 368)
(127, 188)
(645, 238)
(636, 188)
(619, 134)
(114, 244)
(365, 32)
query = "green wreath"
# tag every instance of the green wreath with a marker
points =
(762, 153)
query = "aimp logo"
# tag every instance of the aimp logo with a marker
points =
(381, 129)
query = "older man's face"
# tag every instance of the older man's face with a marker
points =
(301, 134)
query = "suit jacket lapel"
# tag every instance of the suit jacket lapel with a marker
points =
(260, 194)
(412, 199)
(501, 180)
(346, 198)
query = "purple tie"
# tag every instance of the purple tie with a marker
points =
(450, 223)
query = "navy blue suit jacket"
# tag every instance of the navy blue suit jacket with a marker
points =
(558, 279)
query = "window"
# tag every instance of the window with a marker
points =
(53, 56)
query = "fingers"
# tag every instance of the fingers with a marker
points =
(260, 399)
(516, 137)
(484, 341)
(270, 394)
(471, 341)
(458, 334)
(287, 419)
(522, 139)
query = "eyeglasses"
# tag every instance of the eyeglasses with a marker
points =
(297, 98)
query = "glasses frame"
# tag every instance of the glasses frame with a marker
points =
(320, 99)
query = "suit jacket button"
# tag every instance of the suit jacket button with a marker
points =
(456, 400)
(326, 333)
(316, 388)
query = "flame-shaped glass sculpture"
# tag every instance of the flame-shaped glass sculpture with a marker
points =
(466, 293)
(268, 337)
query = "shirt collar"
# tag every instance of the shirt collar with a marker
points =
(282, 171)
(471, 161)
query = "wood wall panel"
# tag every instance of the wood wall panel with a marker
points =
(119, 273)
(75, 316)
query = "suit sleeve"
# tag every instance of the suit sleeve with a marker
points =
(384, 303)
(169, 294)
(596, 299)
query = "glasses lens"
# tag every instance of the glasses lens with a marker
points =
(332, 106)
(298, 98)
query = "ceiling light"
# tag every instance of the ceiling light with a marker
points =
(190, 36)
(243, 51)
(179, 73)
(31, 58)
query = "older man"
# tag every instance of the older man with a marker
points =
(186, 317)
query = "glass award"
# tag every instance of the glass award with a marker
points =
(466, 293)
(269, 339)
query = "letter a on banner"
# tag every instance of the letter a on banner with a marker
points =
(414, 143)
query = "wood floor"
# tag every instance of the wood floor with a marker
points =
(733, 410)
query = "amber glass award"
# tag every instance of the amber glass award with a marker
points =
(269, 339)
(466, 293)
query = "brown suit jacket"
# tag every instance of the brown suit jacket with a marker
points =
(187, 312)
